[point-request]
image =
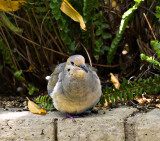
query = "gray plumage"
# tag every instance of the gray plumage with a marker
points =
(74, 86)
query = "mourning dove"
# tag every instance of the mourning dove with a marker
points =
(74, 86)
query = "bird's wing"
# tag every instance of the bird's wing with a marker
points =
(53, 79)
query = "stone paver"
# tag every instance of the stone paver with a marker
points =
(114, 125)
(144, 127)
(105, 126)
(21, 126)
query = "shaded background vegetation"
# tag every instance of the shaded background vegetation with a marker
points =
(47, 37)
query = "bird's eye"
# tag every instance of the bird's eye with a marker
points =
(72, 63)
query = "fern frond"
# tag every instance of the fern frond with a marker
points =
(127, 90)
(125, 19)
(45, 101)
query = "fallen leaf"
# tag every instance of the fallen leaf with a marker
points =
(114, 5)
(10, 5)
(115, 81)
(106, 103)
(67, 8)
(35, 109)
(141, 100)
(158, 105)
(31, 68)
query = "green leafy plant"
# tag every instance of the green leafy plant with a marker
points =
(18, 75)
(127, 90)
(6, 54)
(96, 25)
(49, 37)
(9, 24)
(156, 63)
(100, 35)
(45, 101)
(151, 60)
(125, 19)
(64, 25)
(158, 11)
(32, 89)
(156, 46)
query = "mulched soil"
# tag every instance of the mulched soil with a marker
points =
(21, 102)
(13, 102)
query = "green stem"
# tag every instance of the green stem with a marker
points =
(7, 22)
(125, 19)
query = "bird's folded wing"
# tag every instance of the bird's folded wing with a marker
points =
(54, 77)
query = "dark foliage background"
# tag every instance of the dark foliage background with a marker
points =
(48, 37)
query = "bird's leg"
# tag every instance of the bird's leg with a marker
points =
(69, 116)
(84, 114)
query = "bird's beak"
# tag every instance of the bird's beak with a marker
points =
(83, 67)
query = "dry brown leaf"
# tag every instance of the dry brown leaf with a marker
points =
(67, 8)
(106, 103)
(158, 105)
(35, 109)
(114, 5)
(115, 81)
(10, 5)
(31, 68)
(141, 100)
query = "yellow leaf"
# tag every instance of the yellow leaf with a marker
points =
(115, 81)
(35, 109)
(158, 105)
(67, 8)
(114, 5)
(43, 112)
(10, 5)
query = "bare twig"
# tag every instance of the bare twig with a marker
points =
(43, 46)
(149, 26)
(87, 54)
(9, 48)
(148, 10)
(43, 22)
(117, 65)
(20, 54)
(15, 16)
(54, 40)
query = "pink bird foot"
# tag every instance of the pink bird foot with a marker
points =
(71, 117)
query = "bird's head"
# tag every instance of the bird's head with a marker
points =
(77, 61)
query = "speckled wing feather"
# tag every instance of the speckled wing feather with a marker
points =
(54, 77)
